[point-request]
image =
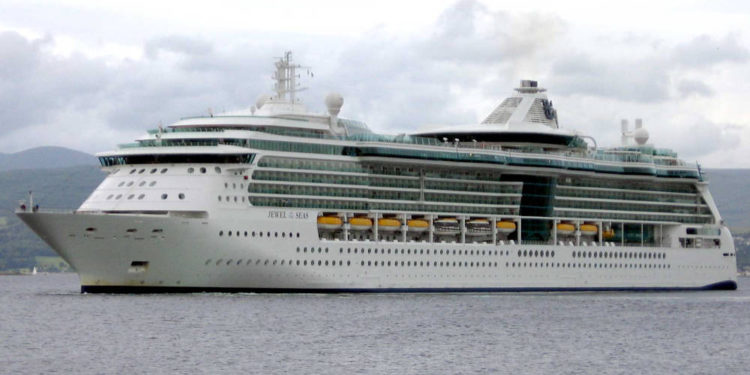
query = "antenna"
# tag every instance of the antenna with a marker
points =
(286, 78)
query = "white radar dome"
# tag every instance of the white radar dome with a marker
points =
(641, 136)
(334, 102)
(262, 100)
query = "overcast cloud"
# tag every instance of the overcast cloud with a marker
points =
(64, 84)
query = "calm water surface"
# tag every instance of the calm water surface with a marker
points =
(46, 326)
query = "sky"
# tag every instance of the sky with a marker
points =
(89, 75)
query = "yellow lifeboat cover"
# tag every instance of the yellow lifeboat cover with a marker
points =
(506, 225)
(418, 223)
(589, 228)
(364, 221)
(565, 227)
(329, 220)
(386, 222)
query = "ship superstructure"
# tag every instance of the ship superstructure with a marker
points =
(276, 198)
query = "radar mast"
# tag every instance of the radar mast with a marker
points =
(286, 78)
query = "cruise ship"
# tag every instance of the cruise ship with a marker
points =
(276, 198)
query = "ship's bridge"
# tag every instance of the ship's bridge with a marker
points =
(526, 119)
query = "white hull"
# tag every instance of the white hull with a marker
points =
(190, 254)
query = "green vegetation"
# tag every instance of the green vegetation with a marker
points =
(51, 264)
(53, 188)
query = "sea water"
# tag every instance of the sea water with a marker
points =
(47, 326)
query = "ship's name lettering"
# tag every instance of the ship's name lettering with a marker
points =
(287, 215)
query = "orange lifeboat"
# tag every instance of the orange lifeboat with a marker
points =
(417, 225)
(505, 226)
(329, 222)
(589, 229)
(360, 223)
(565, 229)
(389, 224)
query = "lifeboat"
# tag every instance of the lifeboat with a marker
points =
(608, 234)
(478, 227)
(418, 225)
(389, 224)
(446, 226)
(565, 229)
(329, 222)
(360, 223)
(505, 226)
(589, 229)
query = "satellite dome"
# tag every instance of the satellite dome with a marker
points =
(334, 102)
(641, 136)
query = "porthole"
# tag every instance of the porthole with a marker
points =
(142, 183)
(217, 169)
(152, 183)
(130, 183)
(121, 183)
(191, 170)
(141, 196)
(181, 196)
(164, 170)
(203, 170)
(118, 196)
(132, 171)
(219, 198)
(142, 170)
(110, 196)
(153, 171)
(164, 196)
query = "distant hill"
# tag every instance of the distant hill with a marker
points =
(53, 188)
(731, 191)
(45, 157)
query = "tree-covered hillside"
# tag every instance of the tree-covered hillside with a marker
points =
(52, 188)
